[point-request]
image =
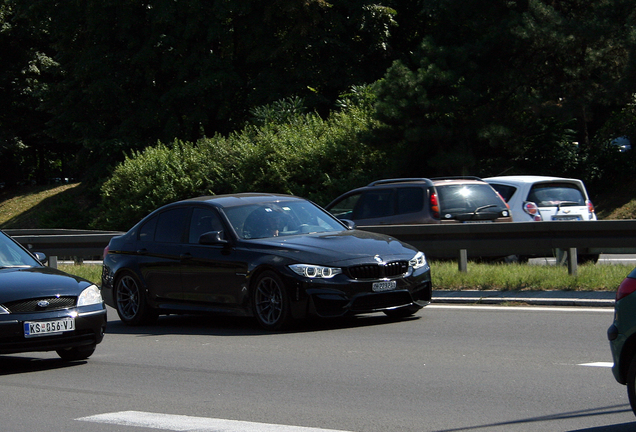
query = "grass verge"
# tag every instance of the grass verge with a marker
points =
(502, 277)
(519, 277)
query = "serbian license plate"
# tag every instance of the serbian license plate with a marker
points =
(384, 286)
(43, 328)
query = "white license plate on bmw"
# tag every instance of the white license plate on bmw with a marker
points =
(384, 286)
(43, 328)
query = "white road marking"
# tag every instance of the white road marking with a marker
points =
(598, 364)
(188, 423)
(524, 308)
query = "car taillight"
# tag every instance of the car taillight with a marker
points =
(533, 210)
(590, 206)
(434, 205)
(626, 287)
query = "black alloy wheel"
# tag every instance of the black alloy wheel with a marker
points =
(271, 304)
(132, 307)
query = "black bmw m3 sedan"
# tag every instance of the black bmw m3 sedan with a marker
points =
(274, 257)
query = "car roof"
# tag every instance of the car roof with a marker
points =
(439, 181)
(242, 199)
(394, 181)
(530, 179)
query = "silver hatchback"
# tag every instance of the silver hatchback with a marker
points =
(540, 198)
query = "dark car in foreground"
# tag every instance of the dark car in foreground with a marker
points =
(43, 309)
(274, 257)
(622, 336)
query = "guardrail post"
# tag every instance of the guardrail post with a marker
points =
(572, 262)
(53, 261)
(561, 256)
(463, 260)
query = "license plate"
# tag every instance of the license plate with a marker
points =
(479, 221)
(43, 328)
(565, 218)
(384, 286)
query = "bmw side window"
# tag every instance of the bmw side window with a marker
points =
(147, 231)
(170, 225)
(410, 200)
(201, 222)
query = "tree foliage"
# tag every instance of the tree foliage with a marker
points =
(492, 80)
(133, 73)
(306, 156)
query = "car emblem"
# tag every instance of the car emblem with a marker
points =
(566, 211)
(43, 303)
(378, 258)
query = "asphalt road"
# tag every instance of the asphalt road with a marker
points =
(451, 368)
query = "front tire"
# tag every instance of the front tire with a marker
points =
(270, 302)
(76, 353)
(131, 303)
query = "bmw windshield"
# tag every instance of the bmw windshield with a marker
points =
(283, 218)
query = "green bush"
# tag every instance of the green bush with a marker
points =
(307, 156)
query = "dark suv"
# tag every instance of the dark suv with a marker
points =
(422, 201)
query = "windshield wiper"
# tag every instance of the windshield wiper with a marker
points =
(478, 209)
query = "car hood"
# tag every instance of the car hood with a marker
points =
(34, 282)
(340, 248)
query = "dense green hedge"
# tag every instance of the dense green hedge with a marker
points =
(308, 156)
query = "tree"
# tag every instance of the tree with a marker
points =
(26, 151)
(490, 80)
(134, 73)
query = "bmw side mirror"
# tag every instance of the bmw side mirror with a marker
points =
(212, 238)
(349, 223)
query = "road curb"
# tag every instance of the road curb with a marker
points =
(538, 298)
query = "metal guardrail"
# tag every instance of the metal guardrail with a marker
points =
(516, 238)
(464, 241)
(78, 244)
(457, 241)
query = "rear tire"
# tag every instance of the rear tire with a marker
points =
(131, 302)
(270, 302)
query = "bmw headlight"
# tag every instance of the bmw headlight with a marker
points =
(418, 261)
(91, 295)
(314, 271)
(3, 310)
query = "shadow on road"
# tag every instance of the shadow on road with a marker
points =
(18, 364)
(592, 412)
(241, 326)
